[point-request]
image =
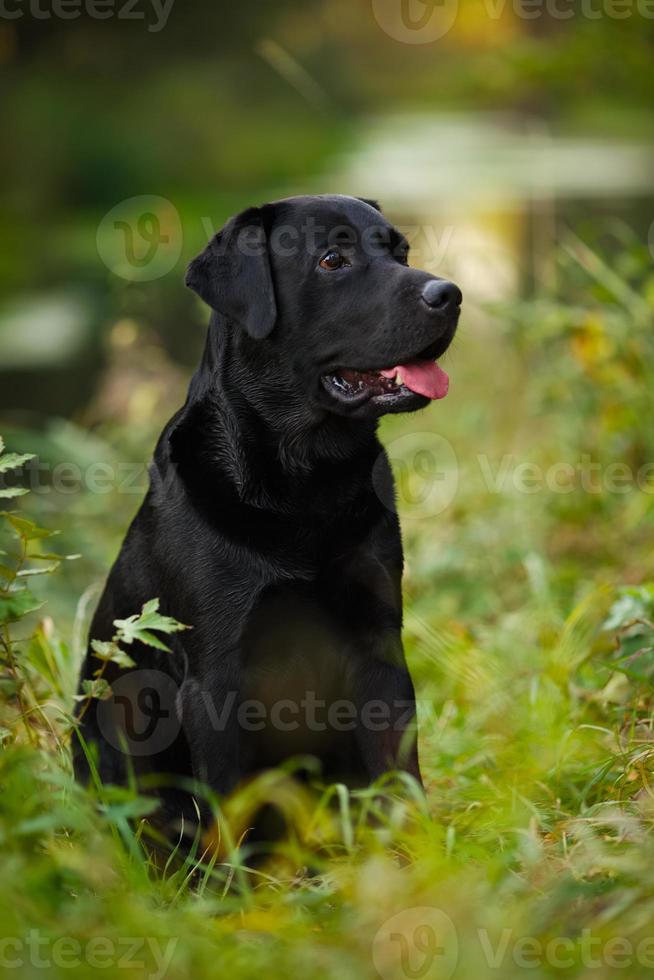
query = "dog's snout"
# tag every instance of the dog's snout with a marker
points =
(442, 296)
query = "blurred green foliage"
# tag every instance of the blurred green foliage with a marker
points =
(529, 629)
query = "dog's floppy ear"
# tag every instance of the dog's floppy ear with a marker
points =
(373, 204)
(233, 273)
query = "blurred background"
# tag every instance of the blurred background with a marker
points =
(515, 142)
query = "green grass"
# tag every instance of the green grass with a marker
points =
(529, 632)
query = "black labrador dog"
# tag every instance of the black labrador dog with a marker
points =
(268, 527)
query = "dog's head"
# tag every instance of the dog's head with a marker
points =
(321, 295)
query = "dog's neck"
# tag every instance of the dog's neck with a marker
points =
(256, 436)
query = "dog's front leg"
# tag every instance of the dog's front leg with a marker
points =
(209, 712)
(386, 718)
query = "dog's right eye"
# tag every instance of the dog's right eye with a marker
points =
(332, 260)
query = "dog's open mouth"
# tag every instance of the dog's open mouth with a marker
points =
(418, 377)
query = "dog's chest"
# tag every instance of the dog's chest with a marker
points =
(296, 668)
(293, 644)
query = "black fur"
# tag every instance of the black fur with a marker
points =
(263, 528)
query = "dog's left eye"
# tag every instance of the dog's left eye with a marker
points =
(333, 260)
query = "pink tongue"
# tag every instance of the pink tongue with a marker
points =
(424, 377)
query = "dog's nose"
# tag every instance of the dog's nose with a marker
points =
(442, 295)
